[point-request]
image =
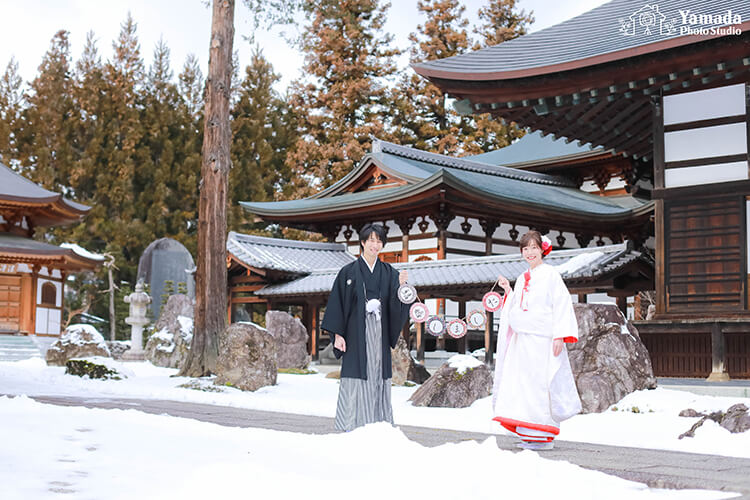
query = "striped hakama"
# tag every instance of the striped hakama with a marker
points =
(366, 401)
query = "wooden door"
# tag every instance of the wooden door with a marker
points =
(10, 303)
(705, 255)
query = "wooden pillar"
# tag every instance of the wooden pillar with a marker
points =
(660, 256)
(307, 322)
(622, 304)
(405, 226)
(420, 342)
(718, 355)
(462, 342)
(315, 332)
(488, 349)
(488, 226)
(442, 220)
(582, 298)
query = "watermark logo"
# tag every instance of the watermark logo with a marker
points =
(647, 20)
(650, 20)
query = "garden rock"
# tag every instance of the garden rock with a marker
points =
(291, 339)
(170, 343)
(405, 367)
(456, 384)
(77, 341)
(247, 357)
(609, 361)
(95, 368)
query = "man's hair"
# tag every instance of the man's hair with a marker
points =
(368, 229)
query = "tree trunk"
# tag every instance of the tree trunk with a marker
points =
(211, 275)
(112, 318)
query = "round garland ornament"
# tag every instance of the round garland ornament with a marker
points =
(407, 293)
(457, 328)
(419, 312)
(492, 301)
(476, 319)
(436, 325)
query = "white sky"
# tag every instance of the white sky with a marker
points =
(27, 27)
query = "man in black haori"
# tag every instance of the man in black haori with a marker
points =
(365, 318)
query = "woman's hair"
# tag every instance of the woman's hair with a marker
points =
(529, 237)
(368, 229)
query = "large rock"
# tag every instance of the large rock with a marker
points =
(736, 419)
(168, 346)
(609, 361)
(247, 357)
(291, 339)
(456, 384)
(326, 356)
(405, 367)
(77, 341)
(118, 347)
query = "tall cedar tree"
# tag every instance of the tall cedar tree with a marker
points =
(501, 23)
(166, 176)
(11, 105)
(420, 115)
(262, 132)
(342, 104)
(45, 146)
(211, 276)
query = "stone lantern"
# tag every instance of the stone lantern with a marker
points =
(139, 301)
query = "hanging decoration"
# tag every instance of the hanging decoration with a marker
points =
(436, 324)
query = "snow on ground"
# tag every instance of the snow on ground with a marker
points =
(647, 419)
(52, 451)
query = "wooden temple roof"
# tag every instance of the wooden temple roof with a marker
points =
(16, 249)
(591, 78)
(43, 208)
(604, 268)
(429, 183)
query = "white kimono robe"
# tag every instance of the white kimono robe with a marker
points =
(534, 390)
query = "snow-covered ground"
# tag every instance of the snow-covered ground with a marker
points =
(129, 454)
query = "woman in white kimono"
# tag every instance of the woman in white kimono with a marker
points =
(534, 389)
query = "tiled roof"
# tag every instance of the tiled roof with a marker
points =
(421, 168)
(468, 164)
(535, 148)
(16, 187)
(577, 265)
(597, 32)
(290, 256)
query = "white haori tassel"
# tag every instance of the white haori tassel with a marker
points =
(373, 307)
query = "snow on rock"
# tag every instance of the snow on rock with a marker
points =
(462, 362)
(79, 340)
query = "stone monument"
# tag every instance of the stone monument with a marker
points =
(168, 268)
(139, 301)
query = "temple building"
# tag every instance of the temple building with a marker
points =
(672, 94)
(32, 272)
(444, 217)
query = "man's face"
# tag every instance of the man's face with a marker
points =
(372, 245)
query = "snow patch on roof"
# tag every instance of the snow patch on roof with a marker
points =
(578, 262)
(82, 251)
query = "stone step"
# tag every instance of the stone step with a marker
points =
(17, 348)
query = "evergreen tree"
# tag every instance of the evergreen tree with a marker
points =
(501, 23)
(191, 86)
(45, 145)
(342, 104)
(262, 132)
(421, 115)
(11, 105)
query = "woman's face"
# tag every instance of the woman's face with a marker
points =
(372, 245)
(532, 254)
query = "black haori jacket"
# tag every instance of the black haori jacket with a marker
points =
(345, 315)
